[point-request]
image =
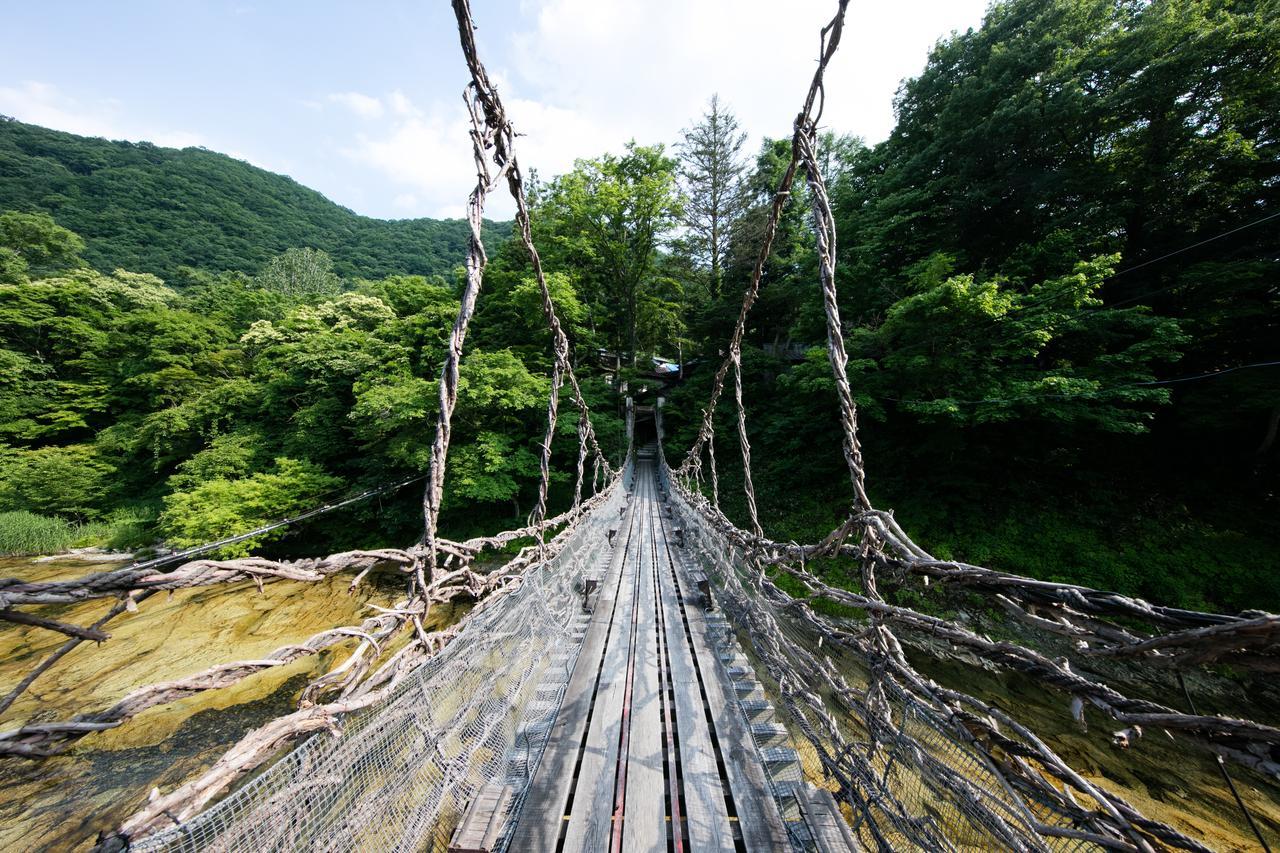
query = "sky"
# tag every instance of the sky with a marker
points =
(363, 100)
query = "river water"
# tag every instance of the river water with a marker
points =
(1172, 780)
(62, 803)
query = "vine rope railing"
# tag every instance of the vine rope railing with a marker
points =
(1098, 624)
(886, 737)
(439, 569)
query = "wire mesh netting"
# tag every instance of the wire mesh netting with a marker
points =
(400, 773)
(910, 780)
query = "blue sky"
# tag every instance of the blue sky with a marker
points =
(362, 101)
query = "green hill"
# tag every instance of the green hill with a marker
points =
(150, 209)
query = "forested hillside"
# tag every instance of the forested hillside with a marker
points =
(1061, 285)
(150, 209)
(131, 410)
(1061, 295)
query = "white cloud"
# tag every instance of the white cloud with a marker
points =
(365, 106)
(401, 105)
(459, 211)
(646, 67)
(426, 155)
(177, 139)
(579, 78)
(40, 103)
(43, 104)
(586, 76)
(428, 152)
(253, 161)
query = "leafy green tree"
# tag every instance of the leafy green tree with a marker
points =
(70, 481)
(1061, 130)
(491, 468)
(309, 364)
(232, 300)
(160, 357)
(217, 508)
(151, 209)
(51, 331)
(300, 274)
(789, 272)
(39, 244)
(1052, 353)
(500, 403)
(229, 456)
(608, 218)
(13, 267)
(711, 173)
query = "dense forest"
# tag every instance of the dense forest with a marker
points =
(149, 209)
(1061, 287)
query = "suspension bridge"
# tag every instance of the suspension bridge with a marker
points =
(637, 679)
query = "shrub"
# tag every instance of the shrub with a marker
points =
(223, 507)
(25, 533)
(66, 481)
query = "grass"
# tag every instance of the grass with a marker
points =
(1218, 556)
(28, 534)
(23, 533)
(1166, 556)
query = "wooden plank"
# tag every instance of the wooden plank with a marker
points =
(644, 817)
(541, 817)
(827, 826)
(758, 818)
(707, 820)
(480, 827)
(591, 819)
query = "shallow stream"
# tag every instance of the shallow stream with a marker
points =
(62, 803)
(1172, 780)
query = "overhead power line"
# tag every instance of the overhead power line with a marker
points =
(1150, 261)
(325, 509)
(1210, 375)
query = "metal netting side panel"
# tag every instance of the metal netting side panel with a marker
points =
(906, 786)
(398, 775)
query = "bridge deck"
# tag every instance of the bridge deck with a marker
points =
(650, 750)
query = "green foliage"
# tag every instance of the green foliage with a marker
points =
(494, 383)
(490, 468)
(300, 274)
(13, 268)
(230, 456)
(1056, 235)
(1053, 353)
(36, 245)
(1161, 552)
(156, 210)
(1066, 130)
(25, 533)
(122, 392)
(220, 507)
(607, 220)
(711, 173)
(69, 481)
(1024, 356)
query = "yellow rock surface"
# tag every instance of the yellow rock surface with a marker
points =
(61, 803)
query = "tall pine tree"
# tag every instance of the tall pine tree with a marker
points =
(711, 174)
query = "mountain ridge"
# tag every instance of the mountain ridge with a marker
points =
(147, 208)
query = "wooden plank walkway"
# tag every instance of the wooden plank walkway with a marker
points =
(650, 751)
